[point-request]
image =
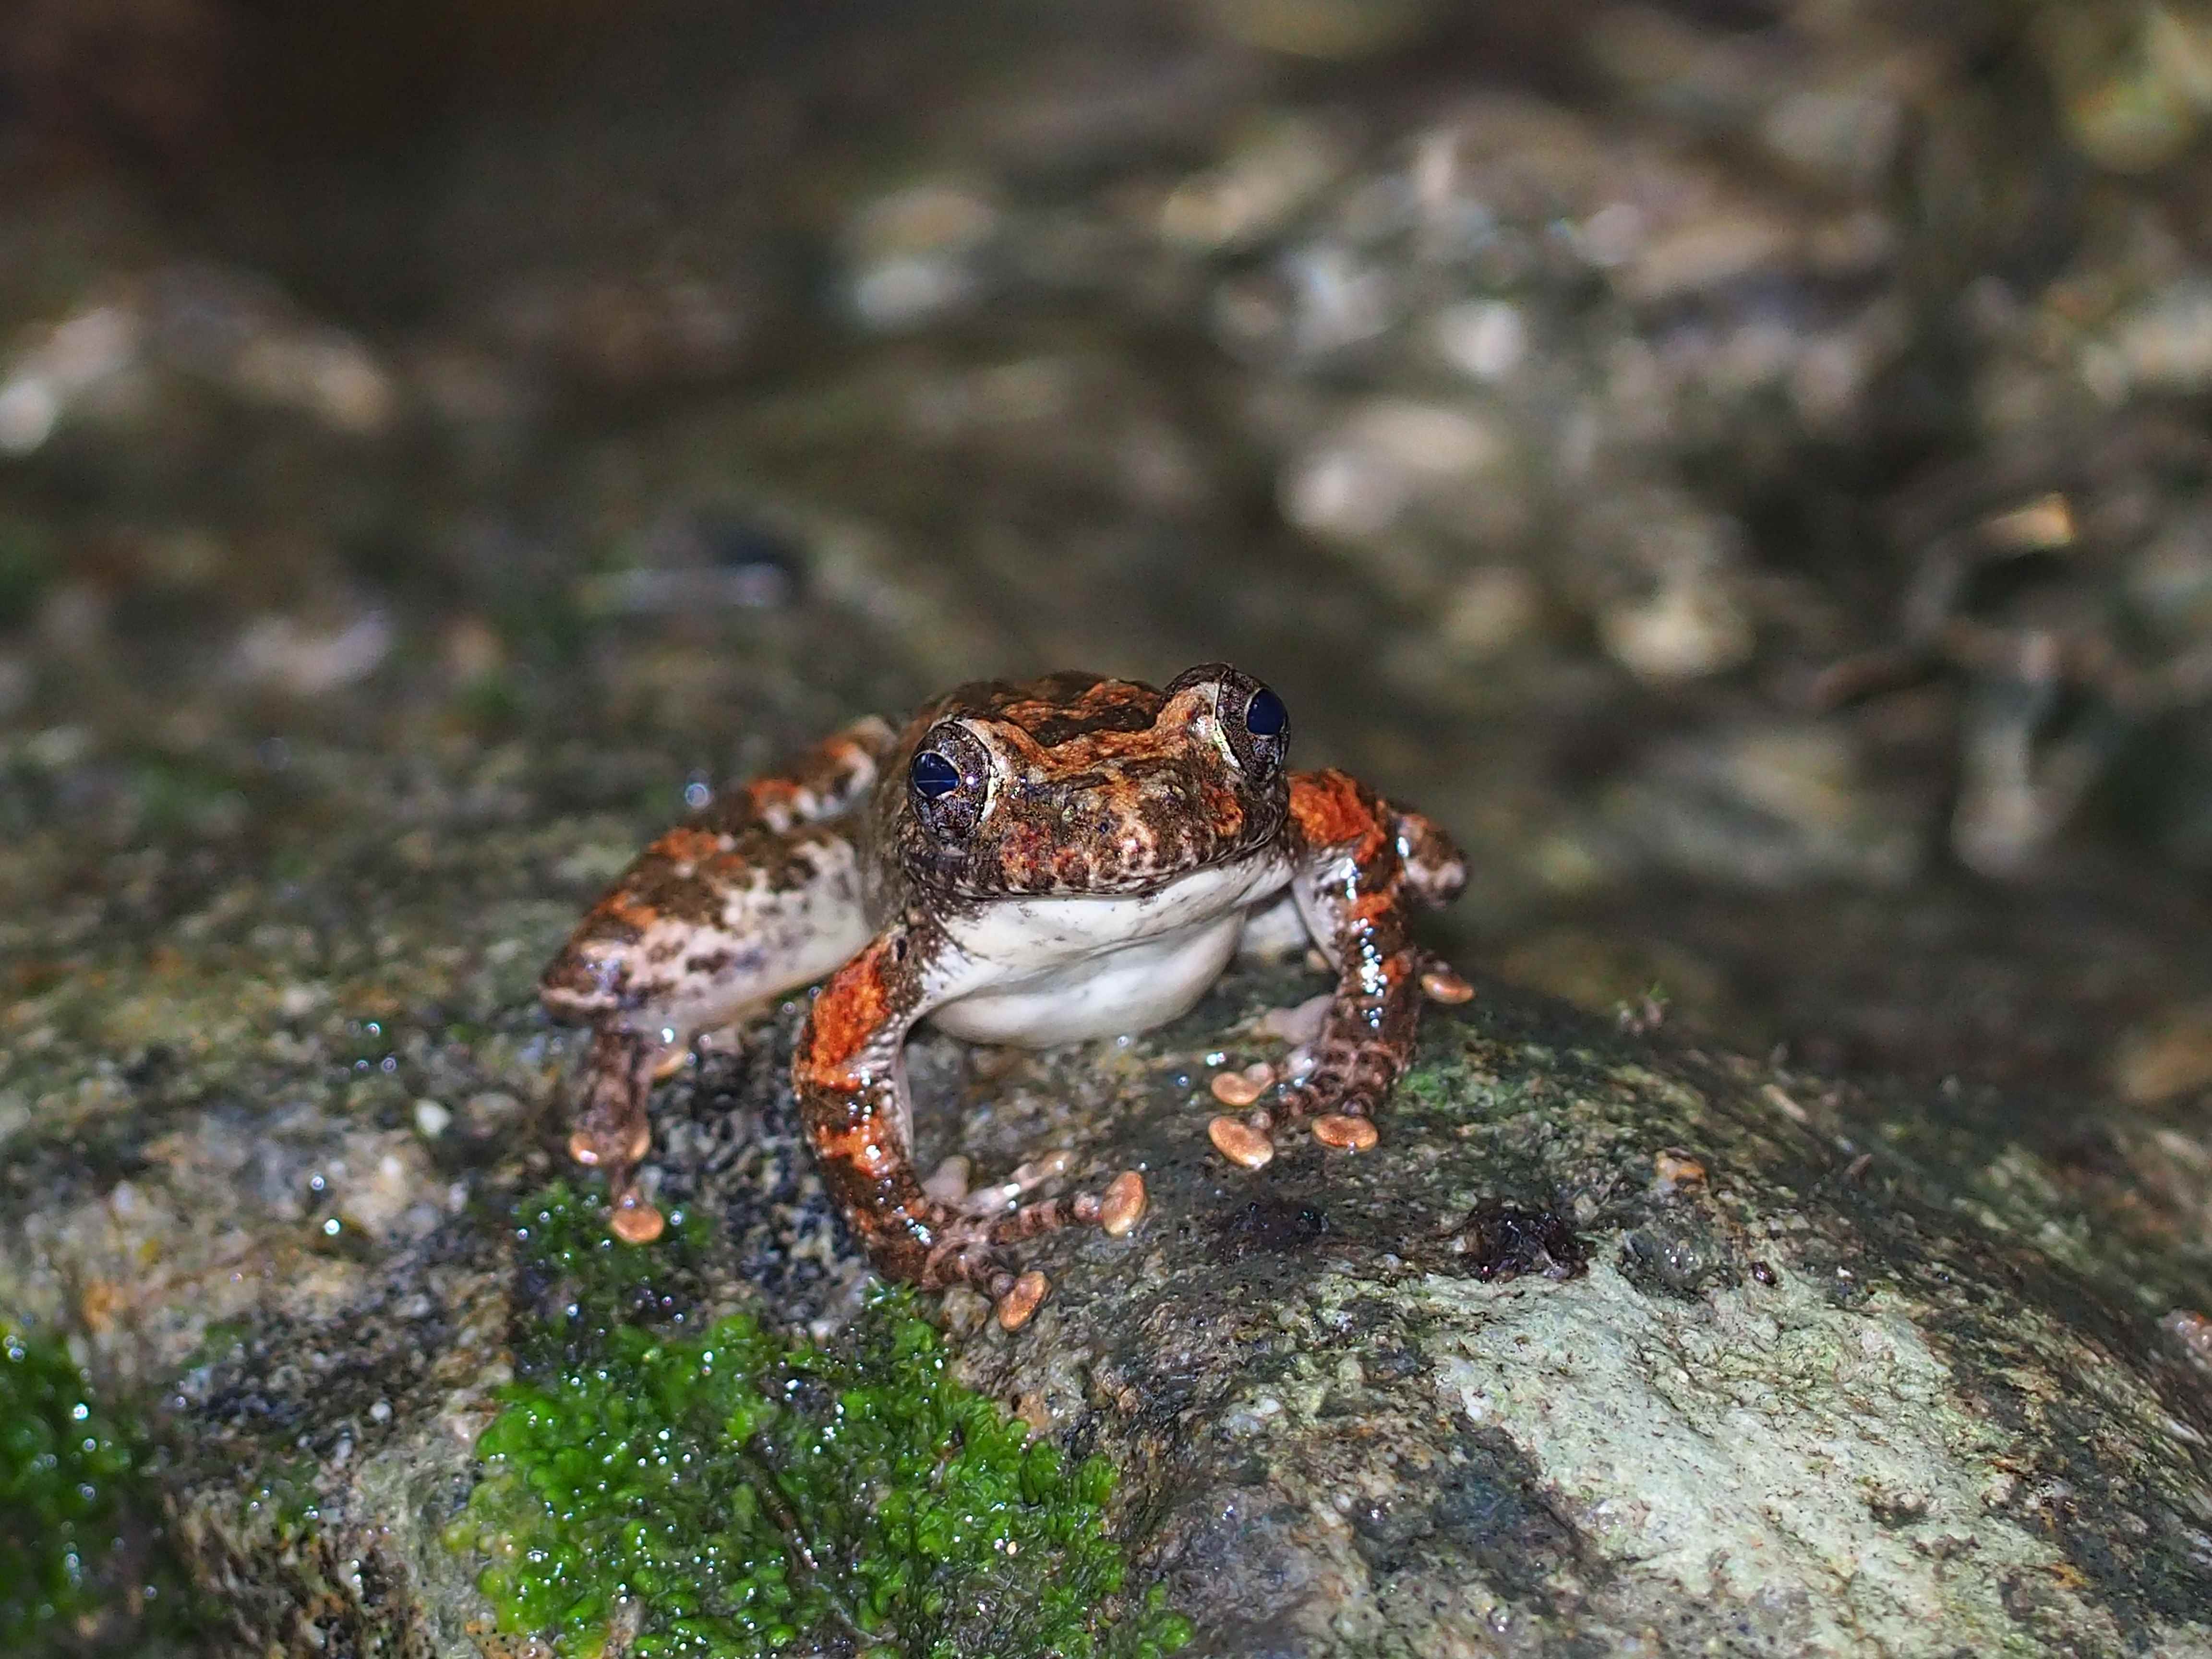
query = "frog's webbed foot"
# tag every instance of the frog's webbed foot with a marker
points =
(974, 1229)
(1336, 1081)
(612, 1133)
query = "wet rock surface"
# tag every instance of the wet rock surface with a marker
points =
(1607, 1342)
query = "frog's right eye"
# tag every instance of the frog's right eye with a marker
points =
(948, 780)
(935, 776)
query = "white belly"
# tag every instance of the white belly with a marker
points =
(1062, 970)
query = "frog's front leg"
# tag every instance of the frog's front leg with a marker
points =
(850, 1075)
(753, 897)
(1362, 867)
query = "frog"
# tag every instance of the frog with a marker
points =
(1024, 864)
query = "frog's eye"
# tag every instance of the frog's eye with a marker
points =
(1250, 720)
(948, 780)
(1260, 735)
(933, 776)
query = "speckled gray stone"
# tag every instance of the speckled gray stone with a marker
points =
(1824, 1383)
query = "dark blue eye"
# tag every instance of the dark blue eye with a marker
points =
(1265, 715)
(933, 776)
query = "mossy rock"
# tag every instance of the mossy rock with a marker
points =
(1612, 1344)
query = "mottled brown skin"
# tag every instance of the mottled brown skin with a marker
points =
(1034, 861)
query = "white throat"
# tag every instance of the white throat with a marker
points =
(1038, 971)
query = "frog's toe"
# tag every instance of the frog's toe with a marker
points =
(1121, 1206)
(997, 1198)
(1240, 1141)
(1019, 1300)
(1350, 1131)
(968, 1255)
(1441, 983)
(636, 1221)
(947, 1184)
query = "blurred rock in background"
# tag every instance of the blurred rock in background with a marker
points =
(1730, 445)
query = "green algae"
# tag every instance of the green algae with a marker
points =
(729, 1491)
(64, 1469)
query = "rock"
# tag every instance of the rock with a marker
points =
(1398, 464)
(1770, 806)
(1256, 190)
(914, 253)
(1604, 1343)
(2165, 344)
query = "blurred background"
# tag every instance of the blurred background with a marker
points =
(1742, 464)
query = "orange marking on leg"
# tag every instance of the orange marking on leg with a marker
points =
(768, 793)
(1331, 810)
(686, 845)
(851, 1009)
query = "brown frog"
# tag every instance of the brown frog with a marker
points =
(1027, 863)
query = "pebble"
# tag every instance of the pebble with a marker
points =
(2165, 1058)
(1123, 1205)
(308, 659)
(1299, 1024)
(1344, 1132)
(1022, 1301)
(1484, 339)
(1390, 454)
(2165, 345)
(1256, 192)
(2193, 1332)
(1240, 1143)
(1487, 612)
(2042, 525)
(914, 253)
(1684, 629)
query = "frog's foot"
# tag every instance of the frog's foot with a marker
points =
(612, 1133)
(1334, 1085)
(1117, 1210)
(973, 1234)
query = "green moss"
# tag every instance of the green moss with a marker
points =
(729, 1493)
(578, 1285)
(64, 1466)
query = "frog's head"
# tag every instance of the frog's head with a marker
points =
(1074, 784)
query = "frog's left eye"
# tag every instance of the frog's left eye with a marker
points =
(1265, 715)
